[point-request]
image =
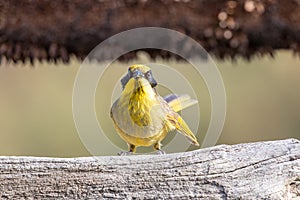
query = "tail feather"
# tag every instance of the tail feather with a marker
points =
(183, 128)
(179, 102)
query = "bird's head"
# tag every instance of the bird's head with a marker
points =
(138, 84)
(139, 71)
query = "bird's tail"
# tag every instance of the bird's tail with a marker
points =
(179, 102)
(183, 128)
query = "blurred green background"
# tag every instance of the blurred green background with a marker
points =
(263, 103)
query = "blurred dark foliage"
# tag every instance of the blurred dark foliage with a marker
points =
(53, 30)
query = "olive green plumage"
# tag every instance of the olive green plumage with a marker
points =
(142, 117)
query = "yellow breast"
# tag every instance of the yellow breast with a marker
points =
(138, 113)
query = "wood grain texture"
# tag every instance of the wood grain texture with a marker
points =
(269, 170)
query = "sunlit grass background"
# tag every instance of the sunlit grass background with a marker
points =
(263, 103)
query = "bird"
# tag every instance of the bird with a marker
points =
(144, 118)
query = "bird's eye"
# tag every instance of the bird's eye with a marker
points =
(148, 74)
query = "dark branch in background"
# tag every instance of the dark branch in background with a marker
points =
(51, 30)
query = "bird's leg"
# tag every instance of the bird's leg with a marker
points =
(132, 149)
(157, 147)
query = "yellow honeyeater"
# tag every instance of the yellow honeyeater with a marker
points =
(142, 117)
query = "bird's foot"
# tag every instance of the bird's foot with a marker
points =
(125, 153)
(160, 152)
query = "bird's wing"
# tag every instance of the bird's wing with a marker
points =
(179, 102)
(180, 125)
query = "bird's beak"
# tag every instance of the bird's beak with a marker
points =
(137, 74)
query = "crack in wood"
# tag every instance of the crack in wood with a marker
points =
(261, 170)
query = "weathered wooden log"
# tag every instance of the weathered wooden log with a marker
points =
(268, 170)
(51, 30)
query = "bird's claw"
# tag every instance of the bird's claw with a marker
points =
(160, 152)
(125, 153)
